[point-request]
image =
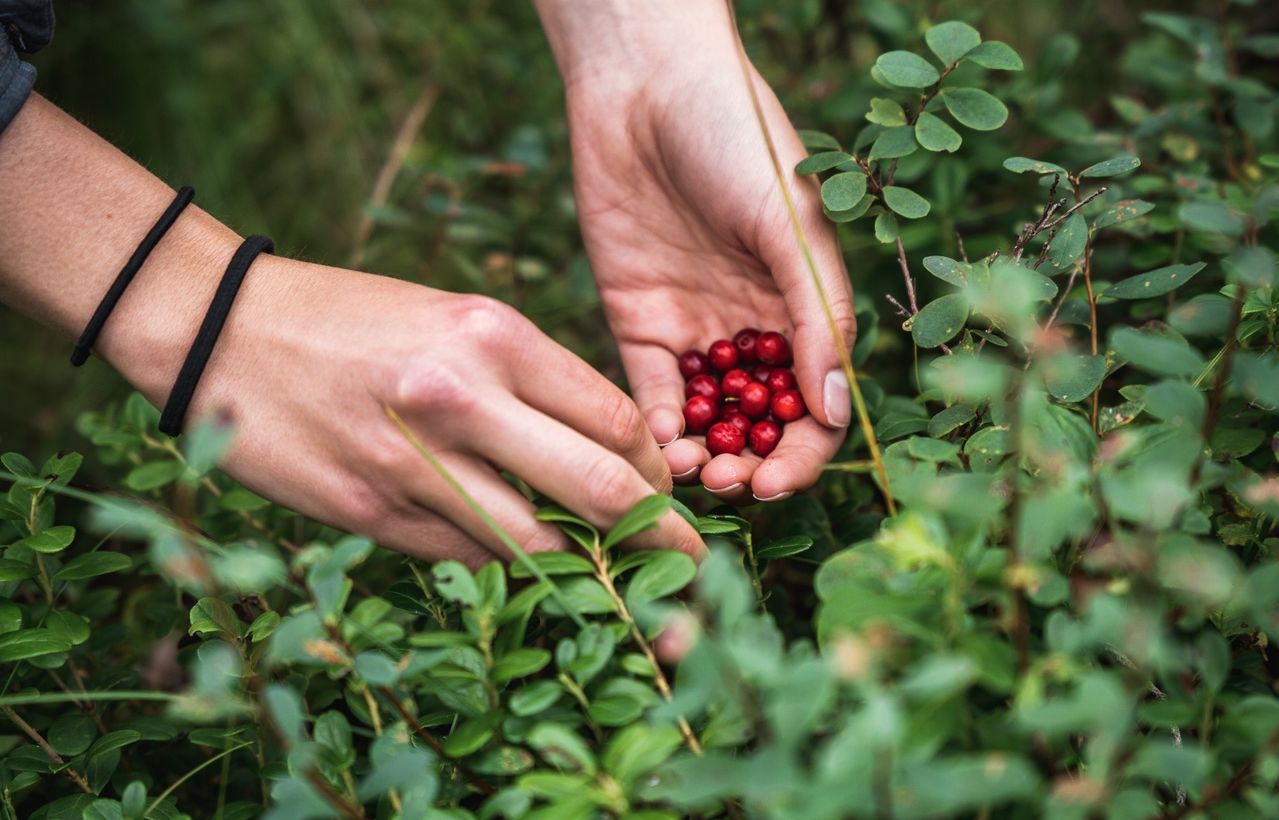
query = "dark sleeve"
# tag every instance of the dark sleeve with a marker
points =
(26, 26)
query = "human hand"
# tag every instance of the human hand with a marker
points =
(687, 230)
(311, 357)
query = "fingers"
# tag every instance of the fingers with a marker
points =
(593, 482)
(817, 363)
(658, 388)
(568, 389)
(426, 536)
(729, 477)
(685, 457)
(512, 511)
(796, 464)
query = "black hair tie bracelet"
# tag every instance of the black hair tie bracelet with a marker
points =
(175, 409)
(90, 335)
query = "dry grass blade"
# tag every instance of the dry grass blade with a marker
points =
(488, 520)
(845, 360)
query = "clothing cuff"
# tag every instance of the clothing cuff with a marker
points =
(16, 80)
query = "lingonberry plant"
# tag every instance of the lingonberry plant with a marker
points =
(1069, 616)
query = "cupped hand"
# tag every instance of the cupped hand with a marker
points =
(690, 240)
(311, 358)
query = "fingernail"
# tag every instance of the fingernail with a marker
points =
(730, 488)
(836, 400)
(778, 497)
(687, 473)
(673, 439)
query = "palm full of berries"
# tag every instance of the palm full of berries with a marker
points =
(741, 391)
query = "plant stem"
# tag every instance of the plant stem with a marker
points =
(754, 568)
(30, 732)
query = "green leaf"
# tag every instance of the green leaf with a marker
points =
(996, 55)
(886, 228)
(154, 475)
(893, 143)
(519, 663)
(948, 270)
(951, 40)
(667, 572)
(455, 582)
(974, 108)
(536, 697)
(1070, 241)
(472, 735)
(939, 320)
(554, 563)
(1155, 283)
(907, 70)
(639, 518)
(13, 570)
(949, 420)
(32, 643)
(71, 734)
(817, 139)
(584, 595)
(1073, 378)
(886, 112)
(934, 134)
(1113, 167)
(1207, 314)
(784, 547)
(51, 540)
(906, 202)
(214, 616)
(1211, 217)
(112, 741)
(637, 750)
(561, 747)
(821, 161)
(1157, 353)
(92, 565)
(844, 191)
(1021, 165)
(1251, 265)
(1125, 211)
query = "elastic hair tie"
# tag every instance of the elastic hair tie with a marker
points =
(84, 345)
(175, 409)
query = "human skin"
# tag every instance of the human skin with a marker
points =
(311, 357)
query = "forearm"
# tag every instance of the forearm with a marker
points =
(596, 39)
(72, 211)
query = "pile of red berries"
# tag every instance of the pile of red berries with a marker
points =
(739, 390)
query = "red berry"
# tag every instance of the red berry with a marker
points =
(772, 348)
(702, 385)
(725, 438)
(761, 372)
(780, 379)
(693, 363)
(723, 355)
(764, 437)
(733, 382)
(788, 406)
(755, 398)
(699, 414)
(736, 418)
(745, 342)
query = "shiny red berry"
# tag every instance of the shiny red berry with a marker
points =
(754, 403)
(733, 382)
(736, 418)
(700, 413)
(780, 379)
(761, 372)
(725, 438)
(772, 348)
(702, 385)
(745, 342)
(723, 355)
(693, 363)
(764, 436)
(788, 406)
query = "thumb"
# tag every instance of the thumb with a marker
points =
(818, 370)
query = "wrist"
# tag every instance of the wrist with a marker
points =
(613, 45)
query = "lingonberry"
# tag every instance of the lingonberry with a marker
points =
(693, 363)
(754, 401)
(780, 379)
(733, 382)
(700, 412)
(702, 385)
(723, 355)
(745, 342)
(772, 348)
(788, 406)
(725, 438)
(761, 372)
(736, 418)
(764, 436)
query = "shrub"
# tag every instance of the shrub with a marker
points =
(1068, 616)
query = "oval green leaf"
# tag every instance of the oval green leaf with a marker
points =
(821, 161)
(906, 202)
(1155, 283)
(843, 192)
(907, 70)
(951, 40)
(995, 55)
(974, 108)
(940, 320)
(935, 134)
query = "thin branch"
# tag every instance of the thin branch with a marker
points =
(30, 732)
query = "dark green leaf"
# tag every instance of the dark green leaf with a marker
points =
(995, 55)
(939, 320)
(667, 572)
(785, 547)
(1073, 378)
(974, 108)
(907, 70)
(821, 161)
(1155, 283)
(934, 134)
(951, 40)
(92, 565)
(1125, 211)
(1157, 353)
(639, 518)
(51, 540)
(1113, 167)
(844, 191)
(894, 142)
(1021, 165)
(906, 202)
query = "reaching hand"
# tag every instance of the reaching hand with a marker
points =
(690, 238)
